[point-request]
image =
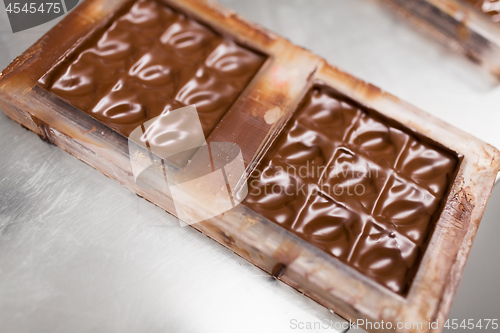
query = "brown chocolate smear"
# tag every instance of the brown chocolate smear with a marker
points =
(44, 128)
(356, 185)
(278, 270)
(150, 60)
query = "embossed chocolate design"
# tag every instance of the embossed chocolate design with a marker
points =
(489, 7)
(150, 60)
(339, 176)
(347, 181)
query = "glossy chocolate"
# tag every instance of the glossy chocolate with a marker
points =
(354, 185)
(338, 176)
(489, 7)
(150, 60)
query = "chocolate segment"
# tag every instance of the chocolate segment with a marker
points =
(489, 7)
(150, 60)
(356, 185)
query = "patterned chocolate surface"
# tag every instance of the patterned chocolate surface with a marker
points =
(348, 182)
(150, 60)
(490, 7)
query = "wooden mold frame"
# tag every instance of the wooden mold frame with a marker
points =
(263, 107)
(458, 25)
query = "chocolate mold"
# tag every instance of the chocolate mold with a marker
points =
(459, 24)
(253, 121)
(489, 7)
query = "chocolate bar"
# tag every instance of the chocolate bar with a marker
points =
(150, 60)
(472, 32)
(346, 180)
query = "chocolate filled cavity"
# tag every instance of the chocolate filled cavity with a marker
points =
(356, 185)
(150, 60)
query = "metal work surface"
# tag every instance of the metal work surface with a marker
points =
(79, 252)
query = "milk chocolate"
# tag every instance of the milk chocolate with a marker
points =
(149, 60)
(358, 186)
(489, 7)
(350, 182)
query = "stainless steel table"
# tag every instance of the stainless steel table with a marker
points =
(80, 253)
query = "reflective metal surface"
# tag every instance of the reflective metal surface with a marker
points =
(79, 252)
